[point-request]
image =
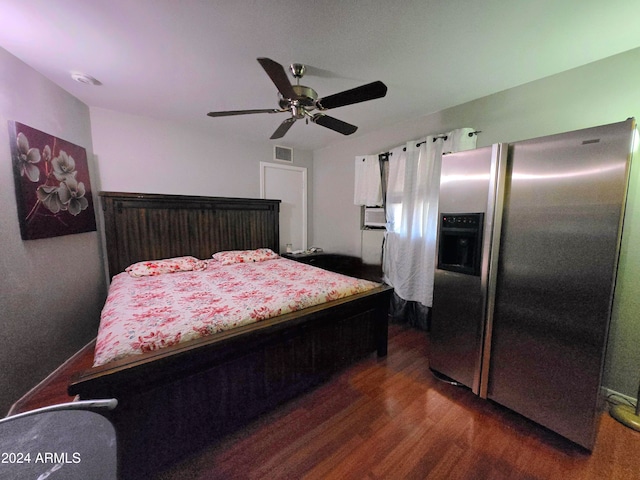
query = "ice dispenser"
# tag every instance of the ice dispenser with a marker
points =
(460, 247)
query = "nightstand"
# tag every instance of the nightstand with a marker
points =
(345, 264)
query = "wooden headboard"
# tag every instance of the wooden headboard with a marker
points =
(142, 226)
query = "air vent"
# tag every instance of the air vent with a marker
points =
(283, 154)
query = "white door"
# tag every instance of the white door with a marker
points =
(289, 185)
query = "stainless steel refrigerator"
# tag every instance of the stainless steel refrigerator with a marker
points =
(528, 245)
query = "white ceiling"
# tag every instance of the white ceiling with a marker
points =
(178, 60)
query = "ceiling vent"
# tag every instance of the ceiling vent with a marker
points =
(283, 154)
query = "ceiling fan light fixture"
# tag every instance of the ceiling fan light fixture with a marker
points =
(84, 78)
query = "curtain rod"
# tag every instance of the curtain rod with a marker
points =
(444, 137)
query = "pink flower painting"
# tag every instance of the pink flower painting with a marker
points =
(53, 191)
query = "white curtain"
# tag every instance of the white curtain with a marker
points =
(368, 185)
(412, 209)
(409, 256)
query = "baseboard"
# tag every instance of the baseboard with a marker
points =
(16, 406)
(609, 396)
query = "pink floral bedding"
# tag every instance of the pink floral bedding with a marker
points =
(151, 312)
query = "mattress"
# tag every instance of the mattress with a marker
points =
(147, 313)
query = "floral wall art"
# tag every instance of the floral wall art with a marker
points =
(53, 190)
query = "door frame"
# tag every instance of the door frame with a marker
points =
(303, 172)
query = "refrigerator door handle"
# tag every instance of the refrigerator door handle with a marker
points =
(491, 244)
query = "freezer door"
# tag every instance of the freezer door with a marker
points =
(558, 255)
(457, 316)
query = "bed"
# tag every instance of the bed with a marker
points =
(176, 399)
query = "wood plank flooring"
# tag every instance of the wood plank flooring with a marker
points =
(391, 419)
(53, 389)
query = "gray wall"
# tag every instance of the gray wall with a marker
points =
(50, 289)
(603, 92)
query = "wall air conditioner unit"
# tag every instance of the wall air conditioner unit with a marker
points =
(374, 217)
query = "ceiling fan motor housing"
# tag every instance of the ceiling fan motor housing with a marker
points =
(305, 101)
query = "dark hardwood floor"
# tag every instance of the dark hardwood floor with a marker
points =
(53, 390)
(391, 419)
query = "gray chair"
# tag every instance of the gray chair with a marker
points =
(68, 441)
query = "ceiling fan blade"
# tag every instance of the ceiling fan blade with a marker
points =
(278, 76)
(334, 124)
(370, 91)
(229, 113)
(283, 128)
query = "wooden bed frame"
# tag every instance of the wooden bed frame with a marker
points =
(176, 400)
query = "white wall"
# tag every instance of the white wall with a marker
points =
(51, 290)
(603, 92)
(43, 324)
(139, 154)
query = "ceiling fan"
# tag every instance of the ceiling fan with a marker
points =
(300, 101)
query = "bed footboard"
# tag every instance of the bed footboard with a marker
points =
(173, 402)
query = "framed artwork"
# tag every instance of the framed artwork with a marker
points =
(53, 190)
